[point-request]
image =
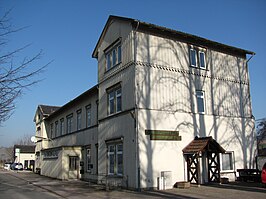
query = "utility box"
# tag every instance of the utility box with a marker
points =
(160, 183)
(167, 179)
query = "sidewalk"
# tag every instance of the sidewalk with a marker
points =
(80, 189)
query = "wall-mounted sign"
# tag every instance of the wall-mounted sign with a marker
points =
(163, 135)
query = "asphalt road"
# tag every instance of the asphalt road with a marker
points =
(27, 185)
(12, 187)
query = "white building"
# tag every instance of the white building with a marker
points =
(25, 154)
(167, 103)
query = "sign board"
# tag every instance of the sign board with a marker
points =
(163, 135)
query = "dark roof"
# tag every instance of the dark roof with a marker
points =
(80, 97)
(25, 148)
(174, 34)
(203, 144)
(47, 110)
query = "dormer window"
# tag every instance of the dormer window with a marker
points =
(113, 55)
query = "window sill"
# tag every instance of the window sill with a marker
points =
(114, 176)
(112, 68)
(197, 67)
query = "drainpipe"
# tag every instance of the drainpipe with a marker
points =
(136, 111)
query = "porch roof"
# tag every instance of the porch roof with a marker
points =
(203, 144)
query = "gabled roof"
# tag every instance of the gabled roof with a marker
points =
(174, 34)
(25, 148)
(46, 110)
(203, 144)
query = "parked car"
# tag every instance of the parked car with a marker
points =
(263, 174)
(7, 166)
(16, 166)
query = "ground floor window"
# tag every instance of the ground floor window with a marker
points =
(115, 159)
(73, 163)
(89, 164)
(227, 161)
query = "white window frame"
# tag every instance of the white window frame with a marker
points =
(191, 58)
(198, 52)
(115, 153)
(113, 52)
(201, 95)
(113, 95)
(111, 153)
(200, 64)
(232, 157)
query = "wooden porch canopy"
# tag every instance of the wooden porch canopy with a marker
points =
(203, 144)
(193, 152)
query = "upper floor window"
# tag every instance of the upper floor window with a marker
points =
(114, 100)
(197, 58)
(62, 127)
(56, 129)
(200, 101)
(79, 119)
(88, 115)
(113, 55)
(52, 130)
(69, 123)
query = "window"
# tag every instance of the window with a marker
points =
(50, 154)
(52, 130)
(79, 119)
(89, 165)
(73, 163)
(115, 159)
(200, 101)
(202, 60)
(193, 57)
(97, 109)
(114, 101)
(62, 127)
(197, 58)
(69, 123)
(88, 115)
(113, 55)
(227, 161)
(56, 129)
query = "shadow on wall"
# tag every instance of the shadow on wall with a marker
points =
(225, 84)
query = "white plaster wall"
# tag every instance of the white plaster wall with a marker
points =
(233, 134)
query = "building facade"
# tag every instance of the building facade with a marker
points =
(25, 154)
(159, 93)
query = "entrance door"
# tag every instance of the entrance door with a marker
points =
(73, 172)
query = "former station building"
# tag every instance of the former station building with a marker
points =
(167, 104)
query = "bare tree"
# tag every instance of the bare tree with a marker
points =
(24, 140)
(15, 77)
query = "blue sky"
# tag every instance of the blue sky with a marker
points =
(67, 32)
